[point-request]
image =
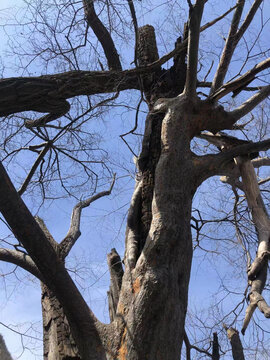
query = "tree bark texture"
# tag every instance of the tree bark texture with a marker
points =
(58, 342)
(157, 286)
(237, 348)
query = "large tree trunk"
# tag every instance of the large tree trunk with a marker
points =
(58, 342)
(153, 298)
(157, 287)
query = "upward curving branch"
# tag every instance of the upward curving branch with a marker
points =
(229, 48)
(193, 47)
(74, 230)
(251, 103)
(103, 35)
(234, 36)
(241, 82)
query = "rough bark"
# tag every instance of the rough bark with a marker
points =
(237, 348)
(161, 274)
(57, 339)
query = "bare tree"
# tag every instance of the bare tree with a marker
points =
(148, 294)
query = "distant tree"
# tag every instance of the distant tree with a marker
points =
(183, 145)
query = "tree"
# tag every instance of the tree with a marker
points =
(148, 296)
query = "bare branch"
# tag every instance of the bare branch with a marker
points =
(103, 35)
(228, 48)
(132, 232)
(242, 81)
(237, 348)
(214, 164)
(74, 229)
(47, 93)
(189, 346)
(215, 347)
(24, 226)
(193, 47)
(116, 273)
(258, 270)
(34, 168)
(251, 103)
(20, 259)
(135, 24)
(265, 161)
(255, 6)
(232, 40)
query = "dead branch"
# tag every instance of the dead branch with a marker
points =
(74, 230)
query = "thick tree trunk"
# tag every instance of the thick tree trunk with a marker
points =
(57, 339)
(153, 299)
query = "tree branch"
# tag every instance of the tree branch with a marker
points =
(258, 270)
(193, 47)
(34, 168)
(210, 165)
(237, 348)
(47, 93)
(135, 24)
(251, 103)
(20, 259)
(103, 35)
(74, 230)
(265, 161)
(82, 321)
(232, 40)
(116, 274)
(252, 11)
(228, 49)
(241, 82)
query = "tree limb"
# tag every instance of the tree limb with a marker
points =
(237, 348)
(74, 230)
(31, 173)
(232, 40)
(251, 103)
(116, 274)
(209, 165)
(82, 321)
(242, 81)
(20, 259)
(228, 49)
(103, 35)
(193, 47)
